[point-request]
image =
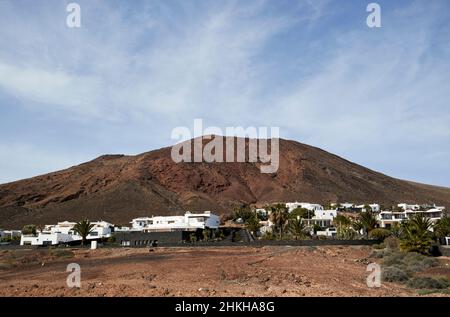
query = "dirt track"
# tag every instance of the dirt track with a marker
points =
(226, 271)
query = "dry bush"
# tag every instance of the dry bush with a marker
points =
(409, 261)
(394, 274)
(392, 243)
(61, 253)
(428, 282)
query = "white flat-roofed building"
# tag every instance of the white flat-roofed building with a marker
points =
(266, 226)
(388, 218)
(121, 229)
(328, 232)
(101, 229)
(262, 212)
(138, 224)
(309, 206)
(63, 233)
(10, 234)
(48, 238)
(343, 205)
(323, 218)
(405, 206)
(61, 227)
(373, 207)
(188, 222)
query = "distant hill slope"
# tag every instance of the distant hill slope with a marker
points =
(117, 187)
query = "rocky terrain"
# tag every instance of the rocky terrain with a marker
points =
(118, 187)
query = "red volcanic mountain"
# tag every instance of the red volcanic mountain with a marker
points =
(117, 188)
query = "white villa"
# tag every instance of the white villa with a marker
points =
(309, 206)
(188, 222)
(408, 207)
(9, 234)
(343, 205)
(416, 207)
(388, 218)
(374, 207)
(63, 233)
(323, 218)
(262, 212)
(328, 232)
(138, 224)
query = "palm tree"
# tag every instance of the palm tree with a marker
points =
(368, 222)
(442, 227)
(297, 228)
(341, 221)
(83, 228)
(416, 234)
(345, 227)
(280, 216)
(396, 230)
(300, 212)
(357, 226)
(253, 225)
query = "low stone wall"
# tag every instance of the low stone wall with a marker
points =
(317, 242)
(141, 239)
(261, 243)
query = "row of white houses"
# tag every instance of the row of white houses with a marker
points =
(324, 218)
(63, 232)
(389, 218)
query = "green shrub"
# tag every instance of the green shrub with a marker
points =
(400, 267)
(269, 235)
(379, 233)
(409, 260)
(416, 262)
(206, 234)
(394, 274)
(237, 237)
(192, 237)
(346, 233)
(29, 229)
(428, 282)
(433, 291)
(219, 235)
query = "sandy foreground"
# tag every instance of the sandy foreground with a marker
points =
(207, 271)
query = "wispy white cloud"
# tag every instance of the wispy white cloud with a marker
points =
(153, 65)
(22, 160)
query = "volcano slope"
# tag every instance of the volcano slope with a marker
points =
(117, 188)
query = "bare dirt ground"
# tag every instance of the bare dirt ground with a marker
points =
(211, 271)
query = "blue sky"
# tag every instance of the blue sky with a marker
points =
(137, 69)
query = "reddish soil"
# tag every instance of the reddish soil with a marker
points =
(212, 271)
